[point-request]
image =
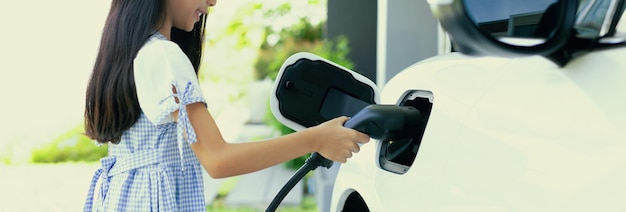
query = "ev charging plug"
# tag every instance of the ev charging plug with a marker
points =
(382, 122)
(386, 122)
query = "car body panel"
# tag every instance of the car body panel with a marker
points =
(505, 134)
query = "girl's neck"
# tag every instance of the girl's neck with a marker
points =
(167, 33)
(165, 29)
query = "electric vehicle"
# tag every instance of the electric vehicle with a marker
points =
(516, 118)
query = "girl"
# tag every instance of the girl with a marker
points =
(144, 98)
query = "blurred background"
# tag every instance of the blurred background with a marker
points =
(47, 49)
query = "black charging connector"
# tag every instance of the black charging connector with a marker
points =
(381, 122)
(387, 122)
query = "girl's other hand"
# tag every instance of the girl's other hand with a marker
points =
(336, 142)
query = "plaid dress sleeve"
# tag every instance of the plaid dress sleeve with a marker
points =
(167, 83)
(163, 76)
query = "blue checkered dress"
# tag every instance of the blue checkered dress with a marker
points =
(153, 167)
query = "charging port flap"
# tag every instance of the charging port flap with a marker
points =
(397, 155)
(310, 90)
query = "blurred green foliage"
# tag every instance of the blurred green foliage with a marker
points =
(301, 37)
(6, 154)
(252, 41)
(72, 146)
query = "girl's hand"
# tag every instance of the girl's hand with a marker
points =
(336, 142)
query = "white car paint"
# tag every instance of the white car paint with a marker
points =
(505, 134)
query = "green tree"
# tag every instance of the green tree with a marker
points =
(72, 146)
(279, 44)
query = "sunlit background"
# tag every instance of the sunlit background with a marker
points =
(47, 49)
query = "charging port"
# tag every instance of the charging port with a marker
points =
(397, 156)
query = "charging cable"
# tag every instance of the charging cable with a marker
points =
(311, 163)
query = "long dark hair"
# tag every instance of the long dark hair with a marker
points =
(111, 105)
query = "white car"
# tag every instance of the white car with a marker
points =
(531, 124)
(503, 134)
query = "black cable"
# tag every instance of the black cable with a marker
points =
(311, 163)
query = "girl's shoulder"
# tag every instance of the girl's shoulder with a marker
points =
(159, 46)
(161, 52)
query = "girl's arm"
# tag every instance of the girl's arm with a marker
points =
(222, 159)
